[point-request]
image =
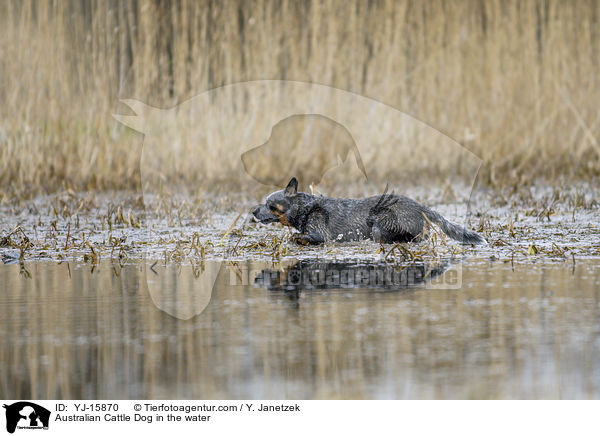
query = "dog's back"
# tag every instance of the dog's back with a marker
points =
(345, 219)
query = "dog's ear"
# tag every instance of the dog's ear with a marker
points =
(292, 187)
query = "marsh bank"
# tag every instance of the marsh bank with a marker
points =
(103, 299)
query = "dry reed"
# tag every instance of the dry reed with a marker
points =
(515, 82)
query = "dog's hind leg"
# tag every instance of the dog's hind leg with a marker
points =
(383, 235)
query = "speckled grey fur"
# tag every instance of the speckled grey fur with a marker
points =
(384, 218)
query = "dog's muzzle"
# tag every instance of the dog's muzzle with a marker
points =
(263, 215)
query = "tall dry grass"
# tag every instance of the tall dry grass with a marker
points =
(515, 82)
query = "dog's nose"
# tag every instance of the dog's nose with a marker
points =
(255, 211)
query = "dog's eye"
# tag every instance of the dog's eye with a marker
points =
(276, 207)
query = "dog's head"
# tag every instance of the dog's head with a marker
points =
(277, 205)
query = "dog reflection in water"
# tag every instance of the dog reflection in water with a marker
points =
(309, 275)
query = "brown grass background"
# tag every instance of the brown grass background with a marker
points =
(515, 82)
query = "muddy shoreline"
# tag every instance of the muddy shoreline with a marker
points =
(535, 224)
(108, 298)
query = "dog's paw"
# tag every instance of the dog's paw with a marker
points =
(300, 239)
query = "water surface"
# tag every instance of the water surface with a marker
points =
(505, 331)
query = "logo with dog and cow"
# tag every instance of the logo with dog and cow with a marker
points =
(25, 415)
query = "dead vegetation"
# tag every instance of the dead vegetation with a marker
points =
(544, 224)
(514, 82)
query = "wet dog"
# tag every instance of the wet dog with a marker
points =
(383, 218)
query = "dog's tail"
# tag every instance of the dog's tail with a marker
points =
(455, 231)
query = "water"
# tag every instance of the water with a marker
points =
(251, 330)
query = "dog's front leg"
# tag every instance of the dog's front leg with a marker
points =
(310, 238)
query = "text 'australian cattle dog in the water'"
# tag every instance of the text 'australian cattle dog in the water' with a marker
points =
(384, 218)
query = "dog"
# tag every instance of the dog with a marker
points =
(385, 218)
